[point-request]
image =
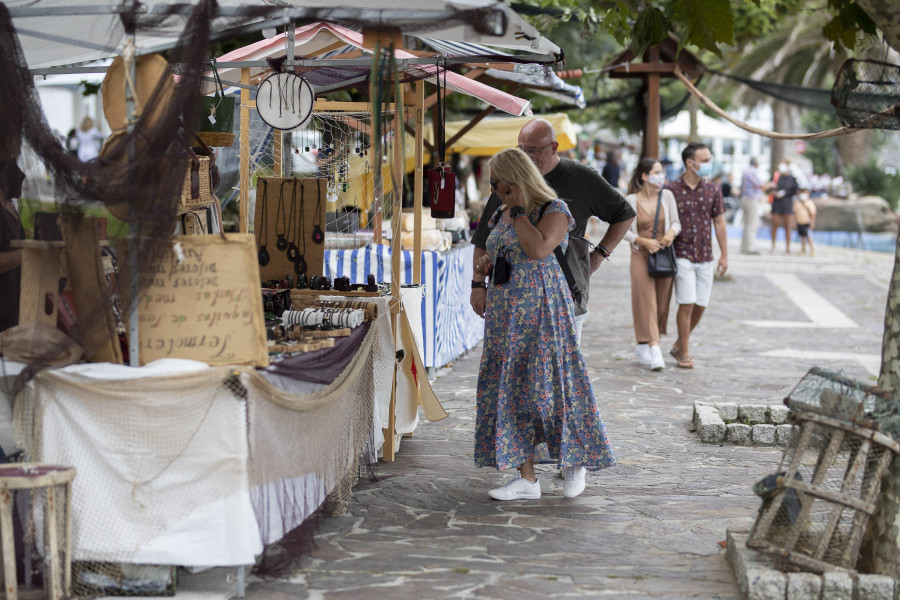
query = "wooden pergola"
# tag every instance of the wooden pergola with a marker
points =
(658, 61)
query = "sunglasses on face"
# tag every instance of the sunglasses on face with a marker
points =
(533, 150)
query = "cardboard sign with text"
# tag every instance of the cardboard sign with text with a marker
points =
(201, 301)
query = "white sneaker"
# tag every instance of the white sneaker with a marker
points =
(517, 489)
(656, 359)
(642, 351)
(574, 484)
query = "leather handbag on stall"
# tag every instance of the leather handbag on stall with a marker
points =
(662, 262)
(215, 122)
(441, 180)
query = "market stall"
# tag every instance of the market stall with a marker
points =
(204, 461)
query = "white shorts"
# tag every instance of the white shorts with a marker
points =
(693, 282)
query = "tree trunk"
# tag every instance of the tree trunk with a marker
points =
(880, 552)
(780, 119)
(693, 106)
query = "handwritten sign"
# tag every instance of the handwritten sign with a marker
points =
(200, 300)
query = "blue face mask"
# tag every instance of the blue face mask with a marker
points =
(705, 170)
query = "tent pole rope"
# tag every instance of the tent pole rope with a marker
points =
(770, 134)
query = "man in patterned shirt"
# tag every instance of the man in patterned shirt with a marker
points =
(699, 202)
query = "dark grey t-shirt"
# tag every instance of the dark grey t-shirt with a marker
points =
(583, 189)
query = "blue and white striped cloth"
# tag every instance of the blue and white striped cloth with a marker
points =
(449, 325)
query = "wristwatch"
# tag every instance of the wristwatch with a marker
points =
(479, 284)
(516, 212)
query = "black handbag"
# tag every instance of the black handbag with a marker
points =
(662, 262)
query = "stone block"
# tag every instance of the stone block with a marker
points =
(778, 415)
(752, 414)
(737, 433)
(700, 407)
(728, 411)
(837, 586)
(765, 584)
(803, 586)
(783, 434)
(874, 587)
(762, 435)
(710, 427)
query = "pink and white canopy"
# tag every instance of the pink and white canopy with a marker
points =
(320, 38)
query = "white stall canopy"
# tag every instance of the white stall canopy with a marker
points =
(69, 32)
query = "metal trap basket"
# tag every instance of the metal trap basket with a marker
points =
(816, 508)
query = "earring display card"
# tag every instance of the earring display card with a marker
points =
(290, 209)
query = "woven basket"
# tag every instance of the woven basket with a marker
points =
(203, 194)
(217, 138)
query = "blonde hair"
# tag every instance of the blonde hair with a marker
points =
(515, 168)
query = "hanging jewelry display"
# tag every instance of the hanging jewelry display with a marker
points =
(280, 241)
(261, 239)
(285, 101)
(292, 251)
(318, 236)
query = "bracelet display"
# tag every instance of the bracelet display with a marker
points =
(479, 284)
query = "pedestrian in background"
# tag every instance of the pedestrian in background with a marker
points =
(805, 218)
(699, 203)
(650, 296)
(534, 392)
(786, 188)
(612, 169)
(752, 196)
(89, 139)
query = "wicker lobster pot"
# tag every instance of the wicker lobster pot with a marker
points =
(815, 512)
(197, 189)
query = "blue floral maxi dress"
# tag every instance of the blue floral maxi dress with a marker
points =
(535, 399)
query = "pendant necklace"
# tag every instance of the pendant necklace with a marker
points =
(300, 263)
(263, 255)
(281, 242)
(317, 236)
(292, 250)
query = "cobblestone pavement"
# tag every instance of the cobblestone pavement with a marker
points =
(648, 528)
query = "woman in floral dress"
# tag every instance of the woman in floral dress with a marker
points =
(534, 395)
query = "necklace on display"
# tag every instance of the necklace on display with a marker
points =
(300, 262)
(318, 236)
(261, 239)
(281, 242)
(292, 251)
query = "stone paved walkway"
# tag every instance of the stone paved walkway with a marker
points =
(648, 528)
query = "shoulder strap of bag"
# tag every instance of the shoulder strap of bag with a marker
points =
(564, 264)
(656, 218)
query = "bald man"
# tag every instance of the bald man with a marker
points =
(580, 186)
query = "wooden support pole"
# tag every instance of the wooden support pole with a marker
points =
(468, 126)
(651, 123)
(243, 208)
(418, 183)
(278, 152)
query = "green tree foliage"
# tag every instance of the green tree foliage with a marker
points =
(707, 25)
(869, 179)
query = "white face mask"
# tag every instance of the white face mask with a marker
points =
(657, 179)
